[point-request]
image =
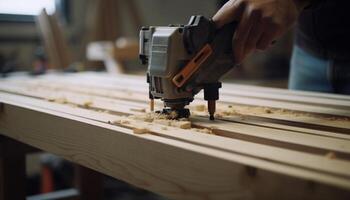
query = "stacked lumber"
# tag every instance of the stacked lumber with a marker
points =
(265, 143)
(55, 43)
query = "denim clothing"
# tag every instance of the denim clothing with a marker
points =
(312, 73)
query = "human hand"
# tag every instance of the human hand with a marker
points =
(260, 22)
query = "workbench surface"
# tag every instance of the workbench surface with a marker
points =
(264, 144)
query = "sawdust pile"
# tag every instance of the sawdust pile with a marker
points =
(161, 119)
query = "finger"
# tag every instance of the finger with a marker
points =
(231, 11)
(267, 38)
(254, 34)
(249, 19)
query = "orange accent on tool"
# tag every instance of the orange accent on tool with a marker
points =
(47, 181)
(180, 79)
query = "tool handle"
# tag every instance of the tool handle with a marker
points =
(222, 42)
(213, 56)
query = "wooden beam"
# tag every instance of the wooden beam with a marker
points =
(138, 159)
(92, 128)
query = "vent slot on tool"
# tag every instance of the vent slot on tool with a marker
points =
(158, 84)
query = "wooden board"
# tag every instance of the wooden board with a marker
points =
(91, 119)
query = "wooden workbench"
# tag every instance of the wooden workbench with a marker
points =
(265, 143)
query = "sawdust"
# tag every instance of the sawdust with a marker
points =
(124, 121)
(203, 130)
(143, 110)
(173, 115)
(140, 130)
(174, 123)
(267, 110)
(61, 100)
(184, 125)
(161, 119)
(331, 155)
(87, 104)
(200, 108)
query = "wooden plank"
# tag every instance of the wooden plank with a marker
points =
(267, 151)
(297, 140)
(279, 135)
(313, 106)
(55, 44)
(107, 148)
(279, 91)
(288, 98)
(235, 146)
(298, 119)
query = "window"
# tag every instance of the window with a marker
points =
(26, 10)
(26, 7)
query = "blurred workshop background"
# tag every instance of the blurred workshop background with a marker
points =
(73, 37)
(102, 35)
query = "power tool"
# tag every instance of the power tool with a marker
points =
(184, 59)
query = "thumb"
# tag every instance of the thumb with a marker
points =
(231, 11)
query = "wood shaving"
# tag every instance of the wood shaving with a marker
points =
(200, 108)
(140, 130)
(267, 110)
(163, 122)
(124, 122)
(174, 123)
(218, 115)
(50, 99)
(148, 117)
(184, 125)
(173, 115)
(138, 109)
(203, 130)
(331, 155)
(61, 100)
(87, 104)
(229, 112)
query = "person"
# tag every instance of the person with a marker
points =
(321, 56)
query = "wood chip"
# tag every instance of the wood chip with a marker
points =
(87, 104)
(200, 108)
(138, 109)
(202, 130)
(184, 124)
(140, 130)
(331, 155)
(267, 110)
(123, 121)
(205, 130)
(61, 100)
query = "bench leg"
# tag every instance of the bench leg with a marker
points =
(89, 183)
(12, 170)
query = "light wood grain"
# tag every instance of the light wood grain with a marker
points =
(245, 155)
